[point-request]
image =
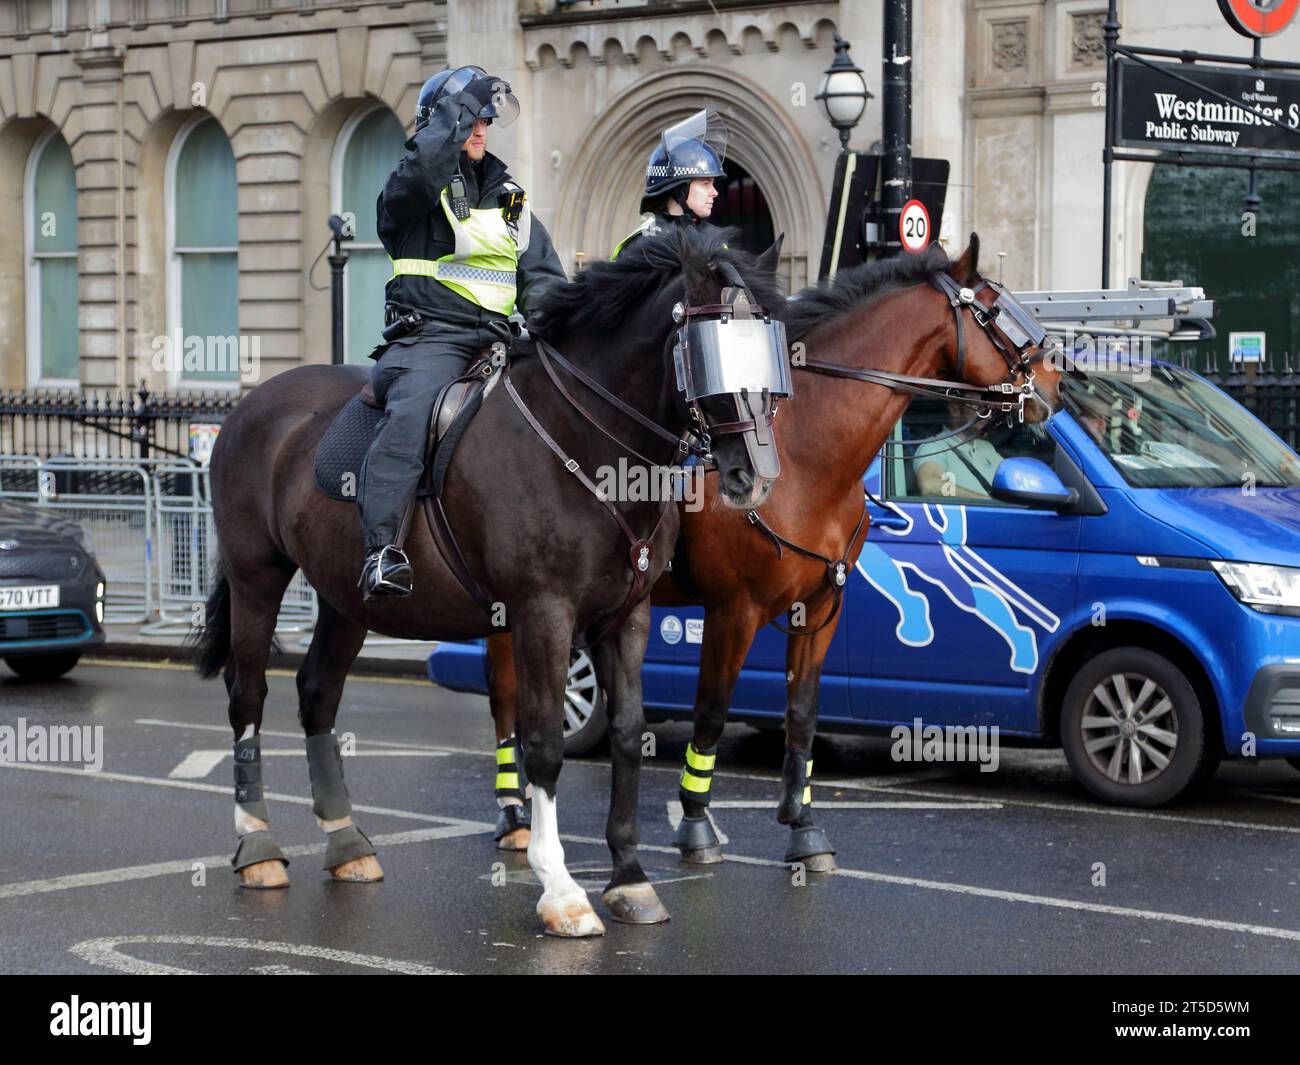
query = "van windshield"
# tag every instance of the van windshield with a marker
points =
(1164, 427)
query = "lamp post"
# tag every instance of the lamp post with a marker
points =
(338, 260)
(843, 93)
(896, 142)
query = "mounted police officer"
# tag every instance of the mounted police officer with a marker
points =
(679, 179)
(466, 252)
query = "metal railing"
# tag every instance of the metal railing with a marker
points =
(106, 425)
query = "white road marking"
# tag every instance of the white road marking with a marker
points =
(185, 866)
(833, 804)
(225, 789)
(104, 952)
(455, 827)
(1049, 901)
(866, 784)
(1269, 795)
(288, 735)
(198, 764)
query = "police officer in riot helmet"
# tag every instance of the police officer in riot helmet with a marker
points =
(467, 252)
(679, 180)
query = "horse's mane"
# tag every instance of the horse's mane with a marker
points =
(606, 294)
(859, 284)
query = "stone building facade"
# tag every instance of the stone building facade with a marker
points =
(122, 111)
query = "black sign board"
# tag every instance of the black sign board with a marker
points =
(1158, 110)
(846, 225)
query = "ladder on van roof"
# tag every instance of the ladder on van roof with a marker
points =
(1137, 310)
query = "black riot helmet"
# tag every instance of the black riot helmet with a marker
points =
(501, 105)
(692, 149)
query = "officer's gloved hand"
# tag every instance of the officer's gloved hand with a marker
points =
(478, 94)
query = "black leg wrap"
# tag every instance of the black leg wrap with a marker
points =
(796, 773)
(512, 817)
(808, 842)
(345, 845)
(330, 801)
(257, 847)
(248, 778)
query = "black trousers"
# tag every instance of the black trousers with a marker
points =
(406, 379)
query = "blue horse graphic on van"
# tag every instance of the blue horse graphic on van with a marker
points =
(967, 579)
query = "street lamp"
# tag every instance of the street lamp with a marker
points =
(843, 93)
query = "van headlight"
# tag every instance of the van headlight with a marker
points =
(1273, 589)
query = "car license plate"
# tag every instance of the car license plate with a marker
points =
(40, 597)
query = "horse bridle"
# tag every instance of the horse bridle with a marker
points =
(1010, 328)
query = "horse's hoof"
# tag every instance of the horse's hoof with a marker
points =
(702, 856)
(359, 871)
(517, 840)
(819, 863)
(635, 904)
(810, 847)
(571, 917)
(263, 876)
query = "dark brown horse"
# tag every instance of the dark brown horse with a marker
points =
(533, 536)
(899, 316)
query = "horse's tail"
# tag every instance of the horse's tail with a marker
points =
(211, 650)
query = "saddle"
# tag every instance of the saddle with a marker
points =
(343, 448)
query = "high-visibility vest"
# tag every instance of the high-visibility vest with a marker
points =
(649, 222)
(483, 267)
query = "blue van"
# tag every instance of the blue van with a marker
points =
(1121, 580)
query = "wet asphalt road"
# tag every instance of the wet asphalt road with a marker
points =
(943, 869)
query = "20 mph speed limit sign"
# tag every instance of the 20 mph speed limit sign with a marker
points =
(914, 226)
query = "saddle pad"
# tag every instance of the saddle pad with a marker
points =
(343, 449)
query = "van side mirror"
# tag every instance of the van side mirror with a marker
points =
(1032, 481)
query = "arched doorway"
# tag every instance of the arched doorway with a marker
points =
(1193, 232)
(743, 204)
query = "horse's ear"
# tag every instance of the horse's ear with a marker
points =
(697, 271)
(771, 259)
(966, 269)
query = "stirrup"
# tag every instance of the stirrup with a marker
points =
(379, 583)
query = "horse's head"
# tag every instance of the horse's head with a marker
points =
(993, 340)
(731, 361)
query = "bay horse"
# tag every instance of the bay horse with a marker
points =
(532, 534)
(749, 568)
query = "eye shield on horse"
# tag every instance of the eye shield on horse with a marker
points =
(738, 350)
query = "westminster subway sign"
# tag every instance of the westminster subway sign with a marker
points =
(1228, 111)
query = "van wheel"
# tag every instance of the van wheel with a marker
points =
(585, 720)
(43, 667)
(1133, 729)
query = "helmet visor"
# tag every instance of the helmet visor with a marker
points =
(704, 127)
(504, 108)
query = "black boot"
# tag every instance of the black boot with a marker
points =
(387, 572)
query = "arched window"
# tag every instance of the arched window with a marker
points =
(51, 230)
(203, 254)
(369, 147)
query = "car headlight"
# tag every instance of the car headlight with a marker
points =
(1273, 589)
